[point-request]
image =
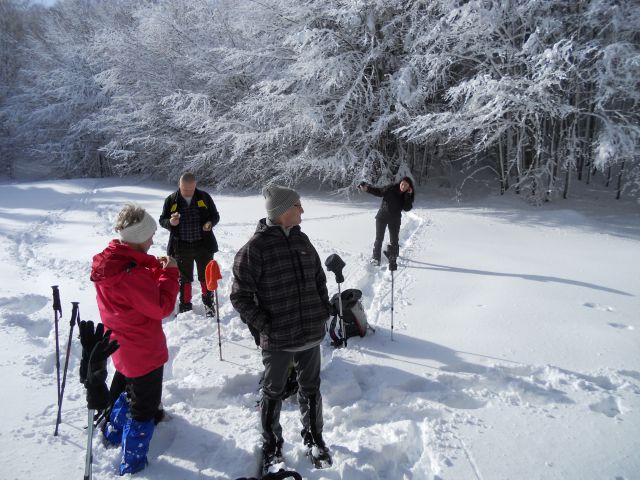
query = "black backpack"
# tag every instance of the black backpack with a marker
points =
(354, 316)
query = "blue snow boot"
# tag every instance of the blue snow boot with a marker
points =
(112, 430)
(136, 437)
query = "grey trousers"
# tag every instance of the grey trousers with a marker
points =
(276, 369)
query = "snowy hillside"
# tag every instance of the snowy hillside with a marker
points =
(515, 353)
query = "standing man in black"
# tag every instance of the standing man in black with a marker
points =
(190, 215)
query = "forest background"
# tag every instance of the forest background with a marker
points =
(526, 95)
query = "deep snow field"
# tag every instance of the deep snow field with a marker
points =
(515, 350)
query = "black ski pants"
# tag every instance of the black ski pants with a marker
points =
(394, 235)
(145, 393)
(189, 252)
(276, 370)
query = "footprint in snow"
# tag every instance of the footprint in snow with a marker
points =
(621, 326)
(607, 406)
(603, 308)
(26, 304)
(36, 328)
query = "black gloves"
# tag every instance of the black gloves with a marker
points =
(96, 349)
(88, 339)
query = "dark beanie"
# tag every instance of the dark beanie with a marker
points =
(279, 199)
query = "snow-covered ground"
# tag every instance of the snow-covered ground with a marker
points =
(515, 352)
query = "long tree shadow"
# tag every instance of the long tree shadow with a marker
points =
(410, 263)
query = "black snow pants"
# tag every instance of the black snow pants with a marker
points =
(394, 235)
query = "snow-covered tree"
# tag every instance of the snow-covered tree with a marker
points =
(535, 92)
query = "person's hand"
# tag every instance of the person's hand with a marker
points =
(167, 262)
(170, 262)
(207, 226)
(175, 219)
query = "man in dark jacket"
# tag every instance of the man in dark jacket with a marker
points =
(190, 215)
(280, 290)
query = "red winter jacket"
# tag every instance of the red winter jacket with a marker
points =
(134, 294)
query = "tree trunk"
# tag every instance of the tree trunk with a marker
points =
(503, 186)
(620, 181)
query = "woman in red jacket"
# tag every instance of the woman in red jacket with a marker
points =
(135, 292)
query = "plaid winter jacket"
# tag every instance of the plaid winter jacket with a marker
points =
(280, 289)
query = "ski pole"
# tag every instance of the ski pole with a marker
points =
(393, 266)
(342, 332)
(89, 458)
(57, 310)
(212, 275)
(392, 304)
(75, 315)
(218, 320)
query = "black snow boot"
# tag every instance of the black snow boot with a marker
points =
(316, 449)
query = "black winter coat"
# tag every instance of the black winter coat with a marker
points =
(280, 289)
(208, 213)
(393, 201)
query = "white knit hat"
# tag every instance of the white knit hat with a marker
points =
(279, 199)
(139, 232)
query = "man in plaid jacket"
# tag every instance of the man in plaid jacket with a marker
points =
(280, 291)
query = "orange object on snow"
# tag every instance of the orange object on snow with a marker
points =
(212, 274)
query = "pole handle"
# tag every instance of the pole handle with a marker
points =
(56, 299)
(212, 275)
(75, 314)
(335, 264)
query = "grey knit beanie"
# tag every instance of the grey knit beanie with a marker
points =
(279, 199)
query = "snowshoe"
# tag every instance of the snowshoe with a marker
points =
(375, 262)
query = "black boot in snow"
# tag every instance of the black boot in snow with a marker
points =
(316, 449)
